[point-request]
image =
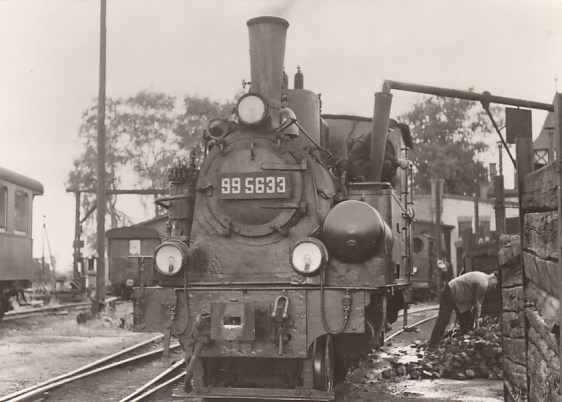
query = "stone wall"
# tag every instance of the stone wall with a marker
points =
(514, 334)
(541, 277)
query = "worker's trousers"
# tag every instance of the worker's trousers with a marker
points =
(446, 307)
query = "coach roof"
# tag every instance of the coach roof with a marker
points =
(21, 180)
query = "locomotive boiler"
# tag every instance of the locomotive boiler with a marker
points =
(276, 271)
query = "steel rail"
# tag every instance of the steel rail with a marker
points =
(132, 396)
(80, 369)
(13, 315)
(46, 388)
(159, 387)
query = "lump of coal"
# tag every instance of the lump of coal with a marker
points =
(473, 355)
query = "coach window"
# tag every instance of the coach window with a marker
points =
(134, 247)
(21, 212)
(3, 208)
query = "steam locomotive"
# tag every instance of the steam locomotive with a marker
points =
(276, 271)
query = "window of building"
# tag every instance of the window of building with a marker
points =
(417, 245)
(464, 222)
(3, 208)
(21, 212)
(541, 156)
(484, 228)
(135, 247)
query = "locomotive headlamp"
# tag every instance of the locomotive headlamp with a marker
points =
(171, 256)
(308, 255)
(218, 128)
(252, 110)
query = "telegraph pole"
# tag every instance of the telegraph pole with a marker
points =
(100, 190)
(438, 230)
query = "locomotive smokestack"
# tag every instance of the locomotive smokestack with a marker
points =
(267, 55)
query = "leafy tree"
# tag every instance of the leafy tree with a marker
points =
(198, 113)
(448, 137)
(84, 175)
(145, 134)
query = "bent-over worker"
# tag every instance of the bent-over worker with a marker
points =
(461, 294)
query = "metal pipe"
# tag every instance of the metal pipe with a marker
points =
(466, 95)
(381, 117)
(199, 346)
(476, 200)
(154, 191)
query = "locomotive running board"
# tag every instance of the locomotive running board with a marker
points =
(253, 393)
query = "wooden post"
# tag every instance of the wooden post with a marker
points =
(499, 205)
(76, 244)
(550, 144)
(558, 135)
(476, 200)
(438, 239)
(101, 190)
(525, 165)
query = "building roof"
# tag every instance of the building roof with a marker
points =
(426, 222)
(132, 232)
(138, 230)
(542, 141)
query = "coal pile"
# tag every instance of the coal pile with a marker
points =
(462, 357)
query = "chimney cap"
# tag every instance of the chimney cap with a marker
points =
(275, 20)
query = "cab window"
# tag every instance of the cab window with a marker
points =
(21, 212)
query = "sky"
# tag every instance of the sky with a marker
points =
(50, 56)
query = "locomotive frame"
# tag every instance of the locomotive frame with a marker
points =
(275, 270)
(16, 242)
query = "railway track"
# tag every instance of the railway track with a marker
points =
(127, 356)
(167, 377)
(15, 315)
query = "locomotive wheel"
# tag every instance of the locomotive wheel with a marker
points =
(323, 363)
